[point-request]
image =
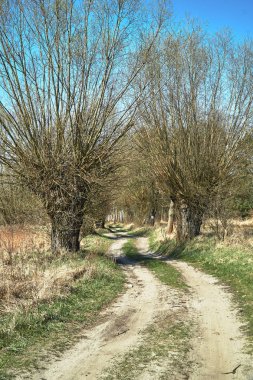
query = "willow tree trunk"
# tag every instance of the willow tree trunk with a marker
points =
(171, 218)
(66, 219)
(189, 219)
(66, 237)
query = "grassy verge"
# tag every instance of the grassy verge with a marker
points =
(54, 323)
(165, 272)
(130, 230)
(141, 231)
(158, 243)
(233, 265)
(96, 243)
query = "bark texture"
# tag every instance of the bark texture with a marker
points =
(67, 220)
(189, 220)
(66, 237)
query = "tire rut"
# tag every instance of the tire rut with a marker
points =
(120, 329)
(218, 344)
(219, 347)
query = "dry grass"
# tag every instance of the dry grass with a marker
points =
(29, 273)
(15, 238)
(45, 299)
(238, 232)
(242, 232)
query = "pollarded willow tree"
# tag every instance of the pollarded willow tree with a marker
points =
(66, 73)
(195, 117)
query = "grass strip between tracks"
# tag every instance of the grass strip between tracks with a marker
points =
(167, 274)
(165, 344)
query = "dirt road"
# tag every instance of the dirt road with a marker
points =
(121, 327)
(218, 347)
(217, 343)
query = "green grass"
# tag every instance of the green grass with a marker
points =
(131, 231)
(28, 335)
(160, 247)
(233, 265)
(96, 243)
(166, 273)
(138, 232)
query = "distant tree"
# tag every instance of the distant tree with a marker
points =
(138, 193)
(66, 73)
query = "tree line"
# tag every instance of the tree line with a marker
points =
(103, 102)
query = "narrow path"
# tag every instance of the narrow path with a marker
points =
(120, 329)
(219, 346)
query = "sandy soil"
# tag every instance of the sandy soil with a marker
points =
(121, 328)
(217, 347)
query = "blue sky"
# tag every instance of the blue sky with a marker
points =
(218, 14)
